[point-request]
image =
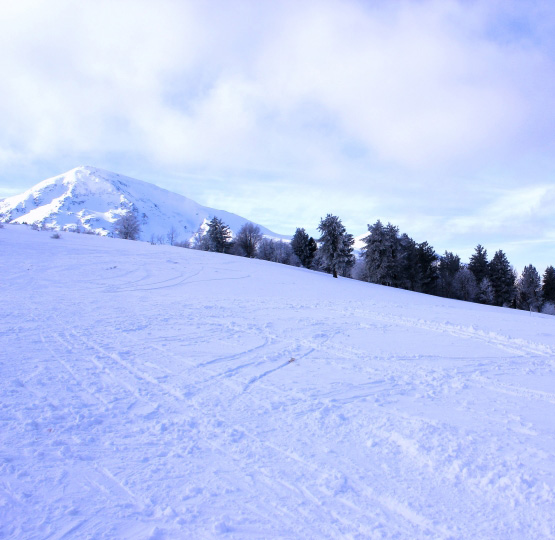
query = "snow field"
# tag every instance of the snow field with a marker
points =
(149, 392)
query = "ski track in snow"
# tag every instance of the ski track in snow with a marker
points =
(149, 392)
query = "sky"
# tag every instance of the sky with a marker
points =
(436, 116)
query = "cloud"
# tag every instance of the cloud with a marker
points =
(418, 84)
(408, 111)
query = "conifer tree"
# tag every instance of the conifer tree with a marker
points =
(304, 247)
(548, 285)
(407, 263)
(449, 265)
(502, 279)
(346, 259)
(427, 270)
(380, 253)
(336, 246)
(529, 289)
(478, 264)
(219, 236)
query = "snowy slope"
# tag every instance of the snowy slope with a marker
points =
(147, 392)
(93, 199)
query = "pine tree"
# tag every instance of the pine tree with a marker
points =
(449, 265)
(407, 263)
(380, 253)
(304, 247)
(529, 289)
(478, 264)
(548, 285)
(502, 279)
(336, 246)
(427, 270)
(346, 259)
(219, 236)
(312, 248)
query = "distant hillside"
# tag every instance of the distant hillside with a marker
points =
(94, 199)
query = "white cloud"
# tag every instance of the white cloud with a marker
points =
(408, 111)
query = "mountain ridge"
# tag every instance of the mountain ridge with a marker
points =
(92, 199)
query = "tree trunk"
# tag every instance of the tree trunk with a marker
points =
(334, 272)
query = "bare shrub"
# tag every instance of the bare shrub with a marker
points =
(128, 226)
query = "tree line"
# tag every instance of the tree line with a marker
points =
(389, 258)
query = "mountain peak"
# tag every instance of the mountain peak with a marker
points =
(91, 198)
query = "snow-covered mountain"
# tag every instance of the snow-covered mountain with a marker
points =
(93, 199)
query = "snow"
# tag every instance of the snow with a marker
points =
(94, 199)
(149, 392)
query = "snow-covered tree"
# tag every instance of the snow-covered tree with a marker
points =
(478, 264)
(380, 253)
(346, 259)
(304, 247)
(336, 246)
(247, 240)
(284, 254)
(219, 236)
(486, 295)
(266, 250)
(502, 279)
(127, 226)
(277, 251)
(464, 285)
(529, 289)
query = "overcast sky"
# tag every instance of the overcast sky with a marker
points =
(438, 116)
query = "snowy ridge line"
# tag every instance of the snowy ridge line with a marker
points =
(92, 199)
